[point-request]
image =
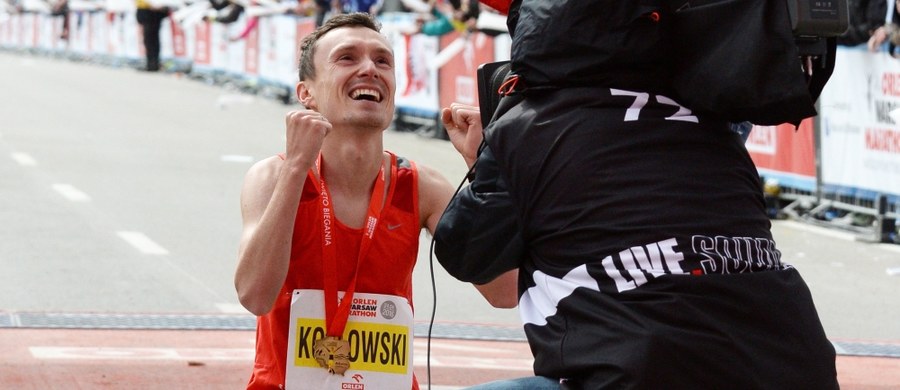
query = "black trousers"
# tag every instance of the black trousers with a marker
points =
(151, 21)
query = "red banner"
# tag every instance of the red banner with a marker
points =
(457, 78)
(783, 149)
(203, 44)
(251, 51)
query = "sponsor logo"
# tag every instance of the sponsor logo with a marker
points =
(364, 307)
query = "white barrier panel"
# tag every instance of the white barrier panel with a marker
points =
(251, 52)
(99, 38)
(117, 38)
(6, 22)
(131, 35)
(278, 48)
(417, 87)
(210, 48)
(235, 49)
(860, 145)
(166, 44)
(79, 33)
(29, 30)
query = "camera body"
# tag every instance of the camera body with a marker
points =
(490, 77)
(818, 18)
(814, 24)
(814, 20)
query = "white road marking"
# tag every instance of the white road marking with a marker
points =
(894, 271)
(819, 230)
(237, 158)
(71, 193)
(465, 349)
(470, 362)
(231, 308)
(229, 99)
(143, 243)
(24, 159)
(890, 247)
(835, 234)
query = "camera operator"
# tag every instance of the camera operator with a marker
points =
(634, 226)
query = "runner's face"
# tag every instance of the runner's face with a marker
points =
(355, 80)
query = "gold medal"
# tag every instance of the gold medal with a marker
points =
(333, 354)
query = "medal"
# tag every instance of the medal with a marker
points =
(332, 354)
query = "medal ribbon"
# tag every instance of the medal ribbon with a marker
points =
(336, 315)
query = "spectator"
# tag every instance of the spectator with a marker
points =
(889, 32)
(372, 7)
(393, 6)
(446, 17)
(322, 9)
(865, 16)
(228, 11)
(150, 18)
(61, 8)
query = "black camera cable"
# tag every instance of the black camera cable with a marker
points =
(468, 178)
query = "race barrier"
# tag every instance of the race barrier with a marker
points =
(841, 168)
(258, 52)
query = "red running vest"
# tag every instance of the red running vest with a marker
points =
(386, 270)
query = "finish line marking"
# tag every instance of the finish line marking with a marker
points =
(116, 353)
(441, 360)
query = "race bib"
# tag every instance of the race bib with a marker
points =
(380, 337)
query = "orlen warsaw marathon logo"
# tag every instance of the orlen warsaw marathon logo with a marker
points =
(362, 307)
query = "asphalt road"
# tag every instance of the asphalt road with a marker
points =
(119, 194)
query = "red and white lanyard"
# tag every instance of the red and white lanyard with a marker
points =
(336, 315)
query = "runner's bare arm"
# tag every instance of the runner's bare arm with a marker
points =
(434, 196)
(269, 200)
(268, 225)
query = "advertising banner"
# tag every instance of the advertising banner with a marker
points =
(80, 33)
(417, 87)
(783, 153)
(860, 112)
(251, 52)
(457, 75)
(278, 48)
(236, 48)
